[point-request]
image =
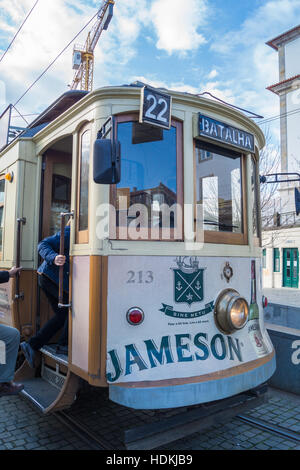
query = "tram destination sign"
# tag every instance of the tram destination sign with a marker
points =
(222, 132)
(155, 108)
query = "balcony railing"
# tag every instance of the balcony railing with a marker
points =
(277, 220)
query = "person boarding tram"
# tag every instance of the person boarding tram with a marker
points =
(48, 279)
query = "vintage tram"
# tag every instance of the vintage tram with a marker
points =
(165, 305)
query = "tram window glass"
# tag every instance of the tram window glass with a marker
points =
(60, 201)
(254, 186)
(61, 189)
(219, 189)
(276, 260)
(83, 203)
(2, 191)
(150, 175)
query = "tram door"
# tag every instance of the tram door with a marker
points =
(56, 198)
(291, 267)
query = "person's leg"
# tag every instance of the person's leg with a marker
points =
(9, 346)
(64, 337)
(56, 322)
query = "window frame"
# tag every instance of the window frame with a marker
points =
(223, 238)
(258, 238)
(82, 236)
(114, 232)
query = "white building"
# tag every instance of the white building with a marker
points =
(281, 239)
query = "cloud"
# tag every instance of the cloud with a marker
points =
(176, 24)
(213, 74)
(269, 20)
(255, 65)
(48, 30)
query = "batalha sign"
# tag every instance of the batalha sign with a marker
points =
(222, 132)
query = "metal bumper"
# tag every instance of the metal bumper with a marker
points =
(193, 420)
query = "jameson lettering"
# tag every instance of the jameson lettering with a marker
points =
(230, 135)
(181, 348)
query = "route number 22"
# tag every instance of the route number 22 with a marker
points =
(156, 108)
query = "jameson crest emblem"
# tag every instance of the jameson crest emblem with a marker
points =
(188, 289)
(188, 281)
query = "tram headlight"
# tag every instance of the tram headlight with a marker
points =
(231, 311)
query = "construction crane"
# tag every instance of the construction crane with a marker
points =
(83, 56)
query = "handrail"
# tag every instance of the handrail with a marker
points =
(63, 216)
(20, 222)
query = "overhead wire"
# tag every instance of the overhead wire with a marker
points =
(21, 115)
(254, 115)
(279, 116)
(56, 58)
(16, 34)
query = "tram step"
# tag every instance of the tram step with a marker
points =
(50, 351)
(40, 392)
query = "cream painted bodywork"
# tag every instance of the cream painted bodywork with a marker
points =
(23, 156)
(22, 198)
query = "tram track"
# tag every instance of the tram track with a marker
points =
(93, 441)
(273, 428)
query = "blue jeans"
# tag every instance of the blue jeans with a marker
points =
(9, 346)
(57, 321)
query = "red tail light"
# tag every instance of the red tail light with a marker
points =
(135, 316)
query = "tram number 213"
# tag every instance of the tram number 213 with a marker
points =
(140, 277)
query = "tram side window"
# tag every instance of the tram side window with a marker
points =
(83, 201)
(219, 189)
(151, 178)
(2, 193)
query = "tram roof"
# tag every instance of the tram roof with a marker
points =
(71, 97)
(59, 106)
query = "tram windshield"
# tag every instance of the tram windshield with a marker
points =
(219, 189)
(150, 176)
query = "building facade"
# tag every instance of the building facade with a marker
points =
(281, 235)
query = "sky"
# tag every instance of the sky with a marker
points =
(191, 45)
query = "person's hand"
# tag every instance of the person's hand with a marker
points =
(14, 271)
(60, 260)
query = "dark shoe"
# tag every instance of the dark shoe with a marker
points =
(29, 354)
(62, 349)
(10, 388)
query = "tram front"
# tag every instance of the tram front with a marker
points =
(180, 247)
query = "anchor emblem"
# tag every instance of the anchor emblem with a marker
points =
(179, 286)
